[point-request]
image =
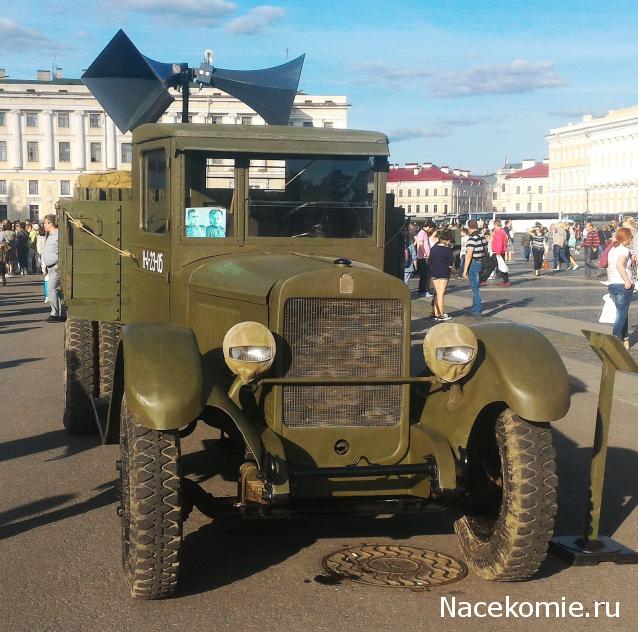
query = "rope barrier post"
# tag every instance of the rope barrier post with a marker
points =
(591, 548)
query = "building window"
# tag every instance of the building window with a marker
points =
(409, 192)
(494, 195)
(518, 190)
(95, 120)
(400, 192)
(246, 120)
(409, 208)
(64, 151)
(426, 208)
(3, 211)
(32, 119)
(502, 188)
(445, 208)
(96, 152)
(427, 192)
(529, 189)
(418, 208)
(540, 207)
(445, 192)
(3, 119)
(63, 119)
(435, 207)
(540, 188)
(307, 124)
(328, 124)
(32, 151)
(34, 212)
(418, 192)
(436, 192)
(529, 207)
(215, 119)
(126, 153)
(3, 150)
(33, 187)
(518, 207)
(65, 187)
(3, 187)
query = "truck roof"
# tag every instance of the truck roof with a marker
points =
(266, 139)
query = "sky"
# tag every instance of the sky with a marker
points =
(464, 84)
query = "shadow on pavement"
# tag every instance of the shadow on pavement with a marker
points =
(105, 497)
(229, 550)
(620, 496)
(8, 364)
(45, 442)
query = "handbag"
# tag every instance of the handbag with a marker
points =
(608, 313)
(502, 266)
(594, 252)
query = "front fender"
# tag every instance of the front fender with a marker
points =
(516, 365)
(163, 378)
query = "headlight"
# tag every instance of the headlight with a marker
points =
(456, 355)
(450, 351)
(249, 350)
(251, 354)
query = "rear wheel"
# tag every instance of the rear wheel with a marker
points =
(151, 508)
(511, 498)
(80, 376)
(109, 337)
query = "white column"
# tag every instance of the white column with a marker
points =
(78, 153)
(15, 160)
(110, 143)
(48, 153)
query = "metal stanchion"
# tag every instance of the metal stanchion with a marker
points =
(593, 548)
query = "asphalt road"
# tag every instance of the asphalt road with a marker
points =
(60, 539)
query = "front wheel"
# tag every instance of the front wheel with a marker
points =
(151, 508)
(511, 503)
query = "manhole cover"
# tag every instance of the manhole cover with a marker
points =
(394, 566)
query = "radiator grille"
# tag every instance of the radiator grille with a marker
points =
(343, 338)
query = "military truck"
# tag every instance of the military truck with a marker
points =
(246, 278)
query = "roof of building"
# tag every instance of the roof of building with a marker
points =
(540, 170)
(425, 174)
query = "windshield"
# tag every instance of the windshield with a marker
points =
(311, 197)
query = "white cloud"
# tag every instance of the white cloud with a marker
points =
(407, 133)
(205, 12)
(387, 75)
(256, 20)
(14, 37)
(516, 77)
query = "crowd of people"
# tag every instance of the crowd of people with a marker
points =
(28, 248)
(22, 248)
(479, 252)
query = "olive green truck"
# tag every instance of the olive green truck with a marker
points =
(248, 278)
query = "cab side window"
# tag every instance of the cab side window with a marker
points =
(154, 192)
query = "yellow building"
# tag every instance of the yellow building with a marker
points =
(593, 164)
(425, 190)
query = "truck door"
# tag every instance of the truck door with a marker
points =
(147, 292)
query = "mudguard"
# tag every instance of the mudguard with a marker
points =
(516, 366)
(163, 378)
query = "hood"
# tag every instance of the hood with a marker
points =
(250, 276)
